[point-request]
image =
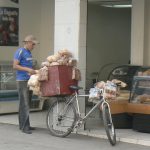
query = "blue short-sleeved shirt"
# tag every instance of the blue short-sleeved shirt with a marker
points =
(24, 57)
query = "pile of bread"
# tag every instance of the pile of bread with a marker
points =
(62, 57)
(109, 89)
(34, 84)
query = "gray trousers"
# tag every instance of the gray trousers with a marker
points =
(25, 96)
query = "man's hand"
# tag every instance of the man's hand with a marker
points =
(31, 71)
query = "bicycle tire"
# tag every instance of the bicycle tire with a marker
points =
(61, 118)
(108, 124)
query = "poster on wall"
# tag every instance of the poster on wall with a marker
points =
(9, 20)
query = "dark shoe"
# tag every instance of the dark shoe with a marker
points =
(32, 128)
(27, 131)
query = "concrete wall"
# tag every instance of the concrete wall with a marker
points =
(108, 37)
(146, 60)
(37, 18)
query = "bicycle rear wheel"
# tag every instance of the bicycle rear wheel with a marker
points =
(108, 124)
(61, 118)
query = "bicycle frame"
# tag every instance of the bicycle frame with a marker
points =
(100, 102)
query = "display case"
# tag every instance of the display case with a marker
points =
(133, 112)
(140, 92)
(8, 91)
(139, 103)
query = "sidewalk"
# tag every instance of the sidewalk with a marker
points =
(93, 128)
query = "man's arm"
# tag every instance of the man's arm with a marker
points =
(19, 67)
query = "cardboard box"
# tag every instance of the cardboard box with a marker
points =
(59, 80)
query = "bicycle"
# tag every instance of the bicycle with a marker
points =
(63, 117)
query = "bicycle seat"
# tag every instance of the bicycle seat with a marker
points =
(74, 87)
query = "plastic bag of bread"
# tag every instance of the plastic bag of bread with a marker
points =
(60, 61)
(43, 74)
(54, 64)
(57, 56)
(100, 84)
(110, 90)
(76, 74)
(36, 90)
(119, 82)
(34, 84)
(94, 93)
(53, 58)
(46, 63)
(63, 61)
(65, 53)
(33, 81)
(72, 62)
(50, 58)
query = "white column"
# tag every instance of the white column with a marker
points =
(70, 32)
(137, 32)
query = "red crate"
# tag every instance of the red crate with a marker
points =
(59, 80)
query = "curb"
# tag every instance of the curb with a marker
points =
(119, 139)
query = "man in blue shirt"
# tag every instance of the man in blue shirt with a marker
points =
(23, 65)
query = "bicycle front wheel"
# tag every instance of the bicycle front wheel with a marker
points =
(61, 118)
(108, 124)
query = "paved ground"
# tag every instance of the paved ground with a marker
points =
(12, 139)
(94, 128)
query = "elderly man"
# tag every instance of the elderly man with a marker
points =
(23, 65)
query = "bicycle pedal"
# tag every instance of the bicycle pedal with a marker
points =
(78, 124)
